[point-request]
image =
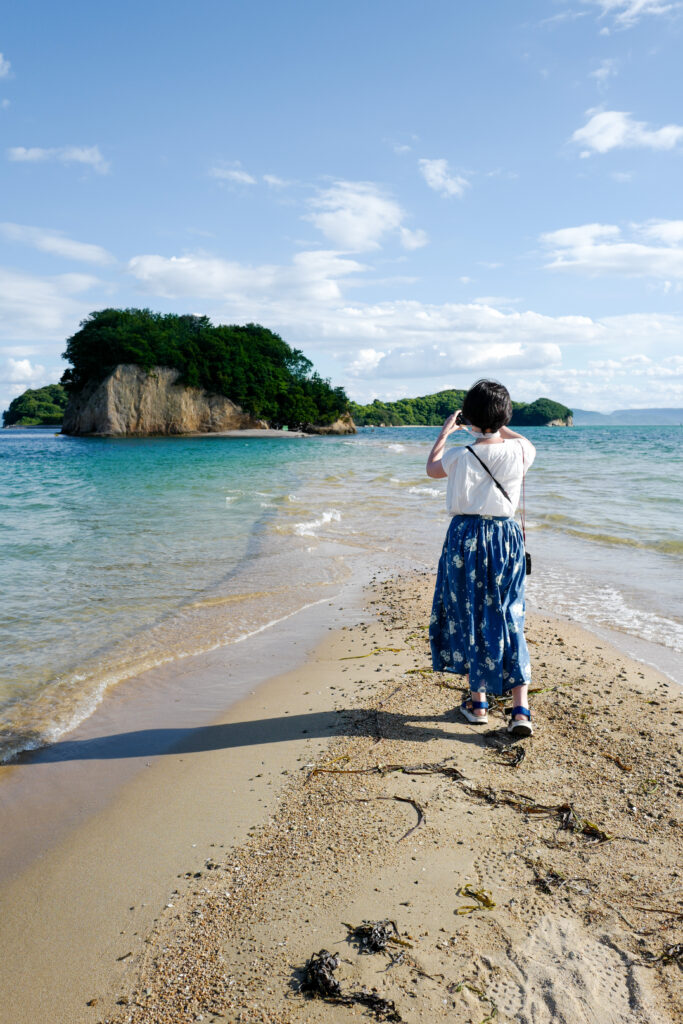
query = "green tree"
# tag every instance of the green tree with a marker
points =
(249, 364)
(432, 410)
(42, 406)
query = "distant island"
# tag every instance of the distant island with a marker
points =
(137, 372)
(39, 407)
(432, 410)
(629, 418)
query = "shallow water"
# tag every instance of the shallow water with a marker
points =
(122, 554)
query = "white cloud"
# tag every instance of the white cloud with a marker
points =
(55, 242)
(367, 360)
(634, 381)
(612, 129)
(5, 67)
(311, 276)
(33, 307)
(356, 215)
(379, 346)
(605, 70)
(600, 249)
(413, 239)
(438, 176)
(444, 358)
(88, 155)
(274, 181)
(234, 174)
(21, 371)
(627, 13)
(668, 231)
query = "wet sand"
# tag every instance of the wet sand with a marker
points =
(200, 890)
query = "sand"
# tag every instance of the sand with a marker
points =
(206, 885)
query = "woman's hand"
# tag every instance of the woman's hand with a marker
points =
(434, 468)
(452, 424)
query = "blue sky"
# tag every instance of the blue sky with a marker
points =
(415, 194)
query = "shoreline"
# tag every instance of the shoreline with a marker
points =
(130, 880)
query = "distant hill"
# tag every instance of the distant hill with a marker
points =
(432, 410)
(628, 417)
(37, 407)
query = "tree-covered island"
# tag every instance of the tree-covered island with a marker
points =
(39, 407)
(432, 410)
(250, 365)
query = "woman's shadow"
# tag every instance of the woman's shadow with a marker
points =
(155, 742)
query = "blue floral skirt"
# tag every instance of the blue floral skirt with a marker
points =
(477, 622)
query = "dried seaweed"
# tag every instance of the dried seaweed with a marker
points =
(671, 955)
(374, 936)
(572, 822)
(319, 980)
(548, 880)
(421, 817)
(383, 1009)
(671, 911)
(482, 897)
(510, 755)
(617, 760)
(569, 819)
(438, 768)
(483, 997)
(377, 650)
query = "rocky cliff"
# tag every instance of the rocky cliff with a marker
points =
(131, 401)
(344, 425)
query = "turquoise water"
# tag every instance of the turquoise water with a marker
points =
(122, 554)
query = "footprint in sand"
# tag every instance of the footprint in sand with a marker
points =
(559, 975)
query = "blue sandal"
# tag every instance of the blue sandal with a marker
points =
(475, 705)
(520, 728)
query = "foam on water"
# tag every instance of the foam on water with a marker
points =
(431, 491)
(309, 529)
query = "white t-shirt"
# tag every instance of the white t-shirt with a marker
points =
(471, 491)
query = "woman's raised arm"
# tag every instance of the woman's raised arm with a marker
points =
(435, 469)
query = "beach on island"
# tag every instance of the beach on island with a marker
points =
(538, 888)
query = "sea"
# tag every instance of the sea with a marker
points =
(119, 555)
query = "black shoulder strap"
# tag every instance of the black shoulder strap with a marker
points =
(499, 486)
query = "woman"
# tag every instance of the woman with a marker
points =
(477, 622)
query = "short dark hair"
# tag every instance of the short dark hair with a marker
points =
(487, 405)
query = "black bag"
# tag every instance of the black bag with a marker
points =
(527, 556)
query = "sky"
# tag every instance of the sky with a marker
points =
(416, 194)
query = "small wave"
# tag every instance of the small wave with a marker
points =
(396, 447)
(433, 492)
(308, 529)
(604, 606)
